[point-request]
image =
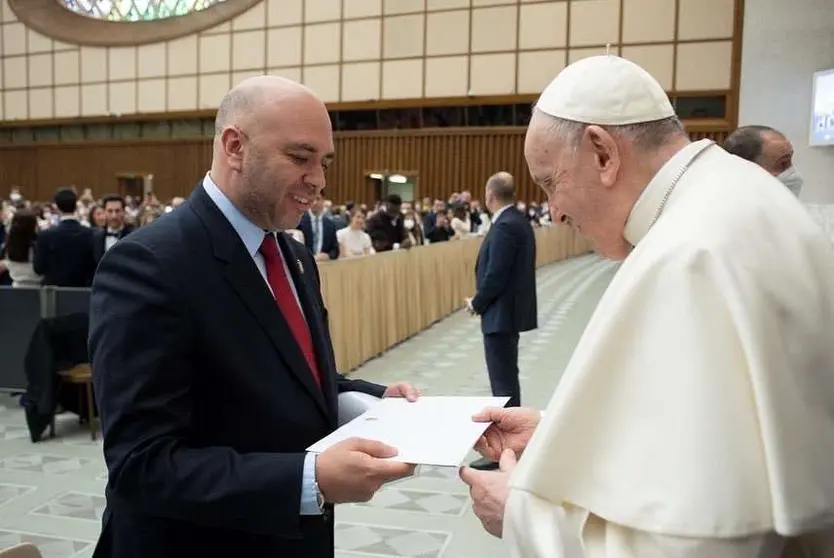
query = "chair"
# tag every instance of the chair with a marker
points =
(81, 375)
(23, 550)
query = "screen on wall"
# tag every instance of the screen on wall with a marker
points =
(822, 117)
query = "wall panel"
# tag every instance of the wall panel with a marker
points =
(413, 49)
(444, 161)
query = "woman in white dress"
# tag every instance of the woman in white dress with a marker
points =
(19, 250)
(353, 240)
(460, 222)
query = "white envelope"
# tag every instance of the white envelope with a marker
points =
(430, 431)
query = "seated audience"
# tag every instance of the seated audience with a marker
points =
(461, 225)
(442, 230)
(319, 232)
(353, 240)
(116, 229)
(386, 226)
(411, 223)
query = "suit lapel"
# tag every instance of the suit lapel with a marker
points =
(303, 279)
(240, 271)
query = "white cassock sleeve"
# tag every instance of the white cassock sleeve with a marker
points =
(535, 528)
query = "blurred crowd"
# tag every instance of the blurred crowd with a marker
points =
(60, 242)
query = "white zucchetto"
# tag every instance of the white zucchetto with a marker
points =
(605, 90)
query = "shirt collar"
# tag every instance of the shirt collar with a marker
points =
(645, 209)
(499, 212)
(250, 233)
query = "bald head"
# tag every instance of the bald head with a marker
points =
(242, 105)
(500, 191)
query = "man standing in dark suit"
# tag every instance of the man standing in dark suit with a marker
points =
(64, 253)
(505, 284)
(319, 232)
(115, 230)
(212, 360)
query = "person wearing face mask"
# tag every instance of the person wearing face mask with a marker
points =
(769, 149)
(412, 230)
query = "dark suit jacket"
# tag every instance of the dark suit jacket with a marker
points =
(505, 276)
(329, 243)
(385, 231)
(64, 255)
(100, 240)
(207, 405)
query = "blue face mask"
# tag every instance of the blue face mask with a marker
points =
(792, 180)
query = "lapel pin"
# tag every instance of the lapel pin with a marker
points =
(300, 267)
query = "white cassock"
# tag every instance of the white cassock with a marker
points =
(696, 416)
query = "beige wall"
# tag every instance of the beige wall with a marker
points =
(360, 50)
(784, 44)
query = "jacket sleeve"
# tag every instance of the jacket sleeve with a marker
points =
(503, 247)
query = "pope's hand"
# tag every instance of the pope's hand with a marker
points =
(402, 389)
(354, 469)
(468, 304)
(488, 490)
(511, 429)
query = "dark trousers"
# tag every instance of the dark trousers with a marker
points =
(501, 350)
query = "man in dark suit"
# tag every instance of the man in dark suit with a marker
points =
(319, 232)
(212, 360)
(386, 227)
(505, 284)
(115, 230)
(64, 253)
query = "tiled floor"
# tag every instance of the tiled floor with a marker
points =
(52, 493)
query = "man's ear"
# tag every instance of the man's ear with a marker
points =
(232, 142)
(606, 154)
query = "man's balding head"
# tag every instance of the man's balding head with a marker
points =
(252, 95)
(273, 141)
(500, 191)
(763, 145)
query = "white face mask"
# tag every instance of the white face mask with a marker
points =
(408, 224)
(792, 180)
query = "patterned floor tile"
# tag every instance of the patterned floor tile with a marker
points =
(50, 547)
(421, 501)
(13, 432)
(9, 492)
(40, 463)
(76, 505)
(374, 540)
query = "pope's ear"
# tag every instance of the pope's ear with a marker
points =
(605, 152)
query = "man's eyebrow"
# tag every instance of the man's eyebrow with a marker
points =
(307, 147)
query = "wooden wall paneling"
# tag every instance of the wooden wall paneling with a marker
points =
(40, 170)
(445, 160)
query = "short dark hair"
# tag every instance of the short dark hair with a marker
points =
(747, 142)
(112, 198)
(394, 199)
(66, 200)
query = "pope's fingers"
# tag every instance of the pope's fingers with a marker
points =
(507, 461)
(490, 414)
(469, 475)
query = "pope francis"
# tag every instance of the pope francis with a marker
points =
(696, 416)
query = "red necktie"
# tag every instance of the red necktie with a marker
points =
(276, 276)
